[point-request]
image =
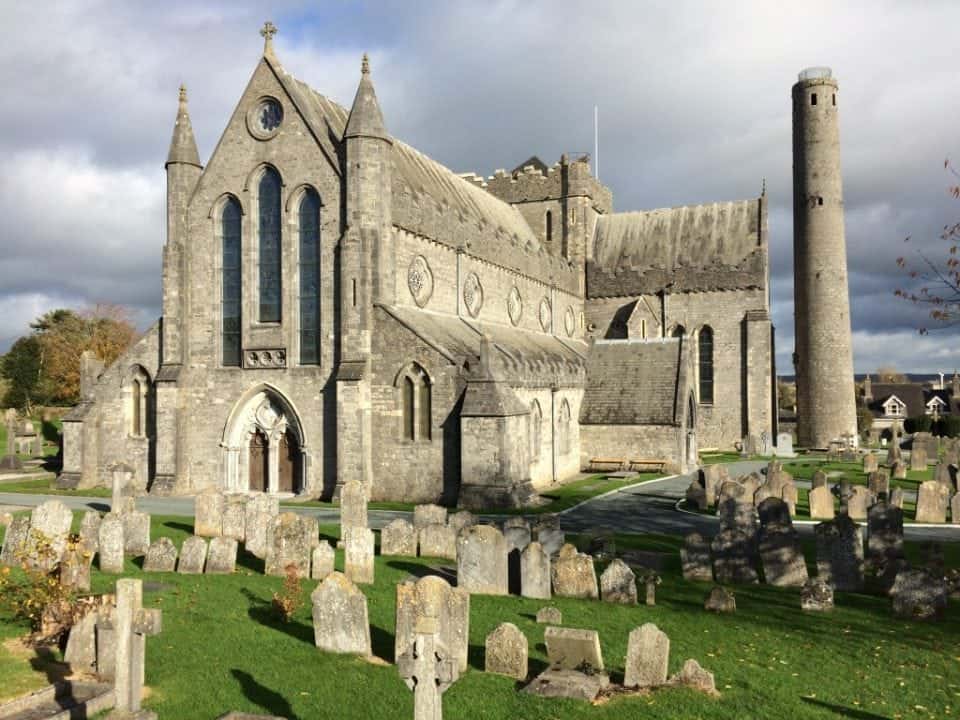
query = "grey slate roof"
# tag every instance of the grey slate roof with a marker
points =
(914, 395)
(634, 382)
(699, 247)
(365, 119)
(183, 146)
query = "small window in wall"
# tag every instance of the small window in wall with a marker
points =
(136, 407)
(549, 226)
(643, 329)
(705, 364)
(834, 96)
(139, 403)
(813, 99)
(408, 421)
(416, 403)
(536, 421)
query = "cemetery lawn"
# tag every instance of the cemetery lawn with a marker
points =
(222, 649)
(45, 486)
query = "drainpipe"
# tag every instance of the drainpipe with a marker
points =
(553, 434)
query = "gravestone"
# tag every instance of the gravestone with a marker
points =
(943, 474)
(90, 530)
(424, 515)
(821, 503)
(15, 541)
(208, 513)
(535, 572)
(234, 519)
(870, 463)
(549, 616)
(618, 584)
(736, 509)
(897, 497)
(428, 670)
(573, 649)
(696, 495)
(322, 561)
(81, 650)
(695, 558)
(74, 569)
(460, 520)
(720, 600)
(899, 470)
(10, 461)
(516, 533)
(398, 537)
(110, 541)
(878, 482)
(884, 533)
(918, 458)
(353, 506)
(432, 597)
(222, 556)
(358, 553)
(750, 445)
(816, 595)
(574, 575)
(785, 445)
(438, 541)
(857, 503)
(340, 622)
(734, 557)
(932, 501)
(506, 652)
(193, 556)
(840, 553)
(53, 519)
(161, 556)
(133, 624)
(482, 561)
(782, 558)
(919, 594)
(819, 479)
(136, 533)
(310, 527)
(693, 676)
(648, 655)
(774, 515)
(289, 542)
(713, 478)
(260, 511)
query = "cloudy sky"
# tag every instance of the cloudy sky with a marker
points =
(694, 105)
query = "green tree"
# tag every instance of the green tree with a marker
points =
(21, 369)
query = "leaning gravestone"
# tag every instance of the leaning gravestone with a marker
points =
(438, 541)
(322, 561)
(840, 553)
(932, 500)
(161, 556)
(289, 542)
(222, 556)
(53, 519)
(340, 622)
(535, 572)
(821, 503)
(358, 555)
(398, 537)
(734, 557)
(695, 558)
(260, 512)
(193, 555)
(506, 652)
(574, 575)
(424, 515)
(208, 513)
(919, 594)
(816, 595)
(618, 584)
(432, 597)
(15, 541)
(234, 519)
(482, 561)
(648, 654)
(353, 506)
(111, 544)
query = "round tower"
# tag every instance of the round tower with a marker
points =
(823, 352)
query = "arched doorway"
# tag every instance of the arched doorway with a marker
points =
(288, 463)
(258, 465)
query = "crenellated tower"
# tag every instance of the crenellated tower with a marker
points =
(823, 353)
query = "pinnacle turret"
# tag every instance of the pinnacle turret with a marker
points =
(366, 119)
(183, 146)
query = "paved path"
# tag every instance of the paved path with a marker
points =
(649, 507)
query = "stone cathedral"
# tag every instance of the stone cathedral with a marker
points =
(338, 305)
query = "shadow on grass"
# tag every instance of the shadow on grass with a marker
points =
(419, 571)
(184, 527)
(46, 662)
(262, 696)
(251, 562)
(844, 711)
(382, 643)
(262, 611)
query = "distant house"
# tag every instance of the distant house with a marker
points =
(892, 403)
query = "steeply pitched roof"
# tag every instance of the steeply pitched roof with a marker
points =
(911, 394)
(634, 382)
(717, 246)
(366, 119)
(183, 146)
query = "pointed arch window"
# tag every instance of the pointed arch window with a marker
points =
(416, 398)
(705, 364)
(536, 422)
(230, 283)
(270, 250)
(139, 403)
(549, 223)
(310, 278)
(563, 428)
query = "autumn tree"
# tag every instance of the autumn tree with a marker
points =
(889, 374)
(936, 281)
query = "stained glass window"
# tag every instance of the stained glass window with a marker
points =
(270, 255)
(423, 409)
(310, 279)
(230, 281)
(705, 350)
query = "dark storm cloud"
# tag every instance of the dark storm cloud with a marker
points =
(694, 105)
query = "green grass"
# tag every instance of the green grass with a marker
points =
(45, 486)
(49, 446)
(222, 649)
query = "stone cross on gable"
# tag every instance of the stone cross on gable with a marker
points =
(132, 624)
(268, 31)
(427, 670)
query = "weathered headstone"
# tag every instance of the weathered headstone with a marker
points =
(878, 482)
(535, 577)
(785, 445)
(713, 478)
(260, 511)
(932, 500)
(695, 558)
(132, 626)
(618, 584)
(81, 650)
(720, 600)
(516, 533)
(774, 515)
(782, 558)
(74, 567)
(90, 530)
(548, 533)
(353, 506)
(696, 496)
(438, 541)
(816, 595)
(573, 649)
(161, 556)
(340, 622)
(15, 541)
(899, 470)
(136, 533)
(870, 463)
(735, 507)
(289, 543)
(222, 556)
(432, 597)
(208, 513)
(506, 652)
(919, 594)
(111, 544)
(549, 616)
(897, 497)
(819, 479)
(428, 670)
(918, 458)
(234, 521)
(460, 520)
(857, 503)
(943, 474)
(693, 676)
(648, 654)
(821, 503)
(574, 574)
(424, 515)
(53, 519)
(840, 553)
(884, 533)
(482, 561)
(358, 564)
(734, 557)
(398, 537)
(193, 556)
(322, 561)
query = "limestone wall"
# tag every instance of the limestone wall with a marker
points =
(654, 442)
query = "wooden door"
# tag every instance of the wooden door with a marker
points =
(258, 462)
(289, 465)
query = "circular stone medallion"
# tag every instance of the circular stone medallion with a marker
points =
(473, 294)
(264, 118)
(545, 315)
(420, 280)
(569, 321)
(514, 305)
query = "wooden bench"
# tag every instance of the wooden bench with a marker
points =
(599, 464)
(640, 464)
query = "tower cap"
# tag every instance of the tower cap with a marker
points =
(816, 73)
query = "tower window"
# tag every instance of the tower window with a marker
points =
(834, 96)
(549, 226)
(819, 200)
(813, 99)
